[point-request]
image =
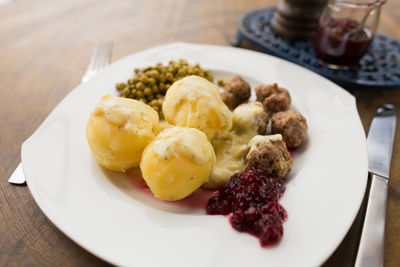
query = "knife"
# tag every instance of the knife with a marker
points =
(380, 145)
(101, 57)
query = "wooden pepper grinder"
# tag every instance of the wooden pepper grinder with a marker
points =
(297, 19)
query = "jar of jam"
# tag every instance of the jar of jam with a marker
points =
(345, 31)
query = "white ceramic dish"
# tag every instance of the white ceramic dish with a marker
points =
(104, 214)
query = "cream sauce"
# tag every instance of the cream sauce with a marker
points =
(187, 142)
(262, 139)
(244, 116)
(133, 115)
(231, 147)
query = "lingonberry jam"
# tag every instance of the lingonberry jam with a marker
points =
(341, 41)
(252, 198)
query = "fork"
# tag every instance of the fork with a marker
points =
(101, 57)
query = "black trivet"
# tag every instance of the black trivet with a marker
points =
(379, 69)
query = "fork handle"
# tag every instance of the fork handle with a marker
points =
(370, 251)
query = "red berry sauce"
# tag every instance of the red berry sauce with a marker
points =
(252, 198)
(339, 42)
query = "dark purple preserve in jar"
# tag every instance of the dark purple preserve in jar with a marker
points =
(345, 31)
(341, 41)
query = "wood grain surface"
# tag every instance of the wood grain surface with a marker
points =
(45, 48)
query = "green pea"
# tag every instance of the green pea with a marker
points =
(152, 81)
(147, 91)
(150, 97)
(156, 108)
(181, 73)
(154, 103)
(153, 73)
(136, 79)
(120, 86)
(140, 86)
(208, 75)
(144, 79)
(183, 62)
(169, 76)
(126, 92)
(139, 94)
(155, 89)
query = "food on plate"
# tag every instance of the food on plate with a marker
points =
(236, 91)
(118, 130)
(221, 82)
(252, 198)
(177, 162)
(291, 125)
(202, 142)
(150, 84)
(249, 119)
(229, 150)
(195, 102)
(269, 152)
(273, 98)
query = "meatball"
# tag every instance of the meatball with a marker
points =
(274, 98)
(236, 91)
(229, 99)
(291, 125)
(262, 122)
(269, 152)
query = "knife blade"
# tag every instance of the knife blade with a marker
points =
(380, 140)
(380, 145)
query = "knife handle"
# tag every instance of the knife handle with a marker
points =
(370, 251)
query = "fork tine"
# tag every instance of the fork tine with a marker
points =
(101, 57)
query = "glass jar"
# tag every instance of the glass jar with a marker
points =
(345, 31)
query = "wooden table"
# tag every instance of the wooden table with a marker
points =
(44, 50)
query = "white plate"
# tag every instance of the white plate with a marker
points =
(104, 214)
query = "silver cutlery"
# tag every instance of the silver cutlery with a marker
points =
(101, 57)
(380, 145)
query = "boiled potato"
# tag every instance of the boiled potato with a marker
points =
(196, 103)
(118, 130)
(177, 162)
